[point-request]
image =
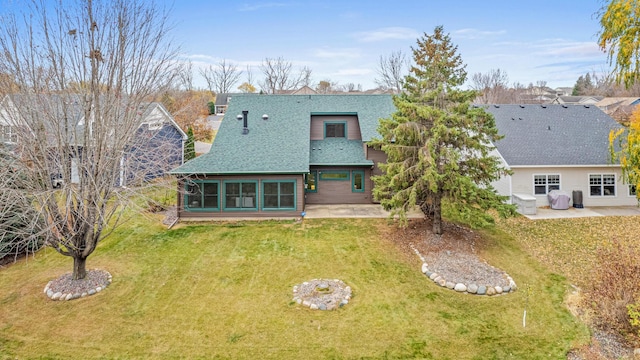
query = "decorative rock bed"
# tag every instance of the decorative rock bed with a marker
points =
(471, 288)
(322, 294)
(65, 288)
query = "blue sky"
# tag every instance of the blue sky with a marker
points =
(553, 41)
(342, 40)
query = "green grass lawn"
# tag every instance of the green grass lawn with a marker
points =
(224, 291)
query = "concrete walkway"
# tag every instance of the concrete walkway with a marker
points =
(351, 211)
(376, 211)
(547, 213)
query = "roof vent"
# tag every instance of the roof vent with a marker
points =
(549, 127)
(564, 106)
(519, 118)
(586, 106)
(265, 117)
(543, 106)
(496, 106)
(245, 127)
(522, 106)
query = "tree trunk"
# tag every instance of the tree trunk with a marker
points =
(79, 268)
(437, 216)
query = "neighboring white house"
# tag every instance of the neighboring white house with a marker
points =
(559, 147)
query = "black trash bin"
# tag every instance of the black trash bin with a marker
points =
(577, 199)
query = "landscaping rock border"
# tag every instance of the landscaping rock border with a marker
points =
(65, 288)
(322, 294)
(474, 289)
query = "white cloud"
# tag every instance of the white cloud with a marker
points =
(354, 72)
(388, 33)
(470, 33)
(346, 53)
(255, 7)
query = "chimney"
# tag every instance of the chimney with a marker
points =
(245, 125)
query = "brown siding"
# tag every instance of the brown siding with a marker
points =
(340, 192)
(317, 126)
(377, 156)
(184, 214)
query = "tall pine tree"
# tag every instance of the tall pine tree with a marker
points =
(438, 145)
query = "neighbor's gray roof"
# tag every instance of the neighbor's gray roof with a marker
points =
(281, 144)
(539, 135)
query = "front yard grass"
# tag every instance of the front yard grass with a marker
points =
(207, 291)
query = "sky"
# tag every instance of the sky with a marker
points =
(342, 41)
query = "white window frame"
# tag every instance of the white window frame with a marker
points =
(11, 136)
(547, 185)
(602, 185)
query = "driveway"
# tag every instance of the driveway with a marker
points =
(547, 213)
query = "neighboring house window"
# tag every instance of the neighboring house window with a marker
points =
(334, 175)
(357, 181)
(543, 184)
(311, 181)
(202, 195)
(335, 129)
(8, 134)
(632, 190)
(602, 185)
(240, 195)
(279, 195)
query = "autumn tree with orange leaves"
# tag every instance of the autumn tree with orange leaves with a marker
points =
(620, 38)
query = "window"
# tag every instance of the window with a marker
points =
(311, 181)
(8, 134)
(543, 184)
(334, 175)
(357, 181)
(335, 130)
(240, 195)
(202, 195)
(632, 190)
(279, 195)
(602, 185)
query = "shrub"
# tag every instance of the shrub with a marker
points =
(615, 284)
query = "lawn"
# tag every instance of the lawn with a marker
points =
(225, 291)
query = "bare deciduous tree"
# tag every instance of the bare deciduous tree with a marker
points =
(74, 144)
(185, 76)
(222, 77)
(391, 71)
(279, 76)
(493, 86)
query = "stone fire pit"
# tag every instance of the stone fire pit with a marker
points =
(322, 294)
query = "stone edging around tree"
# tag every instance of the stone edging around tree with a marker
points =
(473, 289)
(322, 294)
(65, 289)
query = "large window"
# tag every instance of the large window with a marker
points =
(240, 195)
(334, 175)
(602, 184)
(279, 195)
(357, 181)
(8, 134)
(335, 129)
(202, 195)
(543, 184)
(311, 182)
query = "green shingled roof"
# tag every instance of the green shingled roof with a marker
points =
(281, 144)
(337, 151)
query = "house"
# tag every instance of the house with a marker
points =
(158, 148)
(274, 154)
(577, 100)
(619, 108)
(559, 147)
(158, 145)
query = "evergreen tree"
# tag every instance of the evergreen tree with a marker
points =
(438, 145)
(583, 86)
(189, 146)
